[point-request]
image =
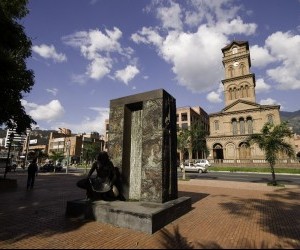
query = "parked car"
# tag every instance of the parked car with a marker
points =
(48, 167)
(202, 162)
(192, 167)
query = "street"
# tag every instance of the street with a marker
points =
(291, 179)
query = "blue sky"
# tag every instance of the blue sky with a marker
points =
(86, 53)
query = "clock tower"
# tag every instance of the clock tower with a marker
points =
(239, 82)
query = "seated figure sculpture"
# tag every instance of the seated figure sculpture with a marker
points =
(106, 185)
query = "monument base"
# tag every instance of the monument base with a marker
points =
(147, 217)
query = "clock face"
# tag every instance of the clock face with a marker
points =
(236, 64)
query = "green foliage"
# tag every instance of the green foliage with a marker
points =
(15, 78)
(272, 142)
(183, 140)
(90, 151)
(198, 138)
(56, 156)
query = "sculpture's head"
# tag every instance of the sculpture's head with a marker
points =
(103, 157)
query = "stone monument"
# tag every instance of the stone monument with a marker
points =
(142, 143)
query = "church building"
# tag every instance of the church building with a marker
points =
(241, 115)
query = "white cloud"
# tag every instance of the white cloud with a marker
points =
(98, 48)
(284, 47)
(89, 124)
(147, 36)
(260, 56)
(170, 16)
(49, 52)
(196, 56)
(127, 74)
(236, 26)
(48, 112)
(99, 67)
(215, 96)
(269, 101)
(261, 86)
(211, 12)
(52, 91)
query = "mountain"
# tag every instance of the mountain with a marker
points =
(293, 119)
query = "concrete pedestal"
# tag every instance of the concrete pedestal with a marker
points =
(147, 217)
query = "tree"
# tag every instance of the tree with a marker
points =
(15, 78)
(272, 141)
(57, 156)
(198, 138)
(183, 143)
(90, 151)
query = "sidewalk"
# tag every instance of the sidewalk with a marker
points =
(224, 215)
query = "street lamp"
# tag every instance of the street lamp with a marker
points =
(68, 154)
(11, 137)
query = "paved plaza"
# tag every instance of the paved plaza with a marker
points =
(224, 215)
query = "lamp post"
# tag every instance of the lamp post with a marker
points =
(27, 146)
(66, 150)
(11, 137)
(68, 154)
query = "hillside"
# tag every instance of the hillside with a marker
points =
(293, 119)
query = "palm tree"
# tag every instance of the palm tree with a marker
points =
(272, 141)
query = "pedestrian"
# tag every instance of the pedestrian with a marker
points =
(32, 173)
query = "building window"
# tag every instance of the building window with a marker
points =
(249, 125)
(234, 50)
(242, 68)
(216, 125)
(270, 119)
(242, 126)
(184, 117)
(234, 126)
(230, 71)
(184, 126)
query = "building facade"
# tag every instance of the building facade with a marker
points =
(241, 115)
(187, 117)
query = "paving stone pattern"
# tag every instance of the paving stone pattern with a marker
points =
(224, 215)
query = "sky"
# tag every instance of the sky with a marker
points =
(88, 52)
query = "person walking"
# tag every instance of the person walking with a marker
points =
(32, 173)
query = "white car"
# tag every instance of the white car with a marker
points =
(191, 167)
(202, 162)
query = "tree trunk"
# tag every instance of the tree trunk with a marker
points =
(273, 175)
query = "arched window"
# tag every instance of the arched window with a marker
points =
(235, 92)
(247, 91)
(270, 119)
(249, 125)
(230, 71)
(242, 126)
(230, 93)
(242, 91)
(234, 50)
(242, 69)
(234, 126)
(216, 125)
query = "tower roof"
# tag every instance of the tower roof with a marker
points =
(237, 43)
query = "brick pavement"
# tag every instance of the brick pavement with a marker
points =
(224, 215)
